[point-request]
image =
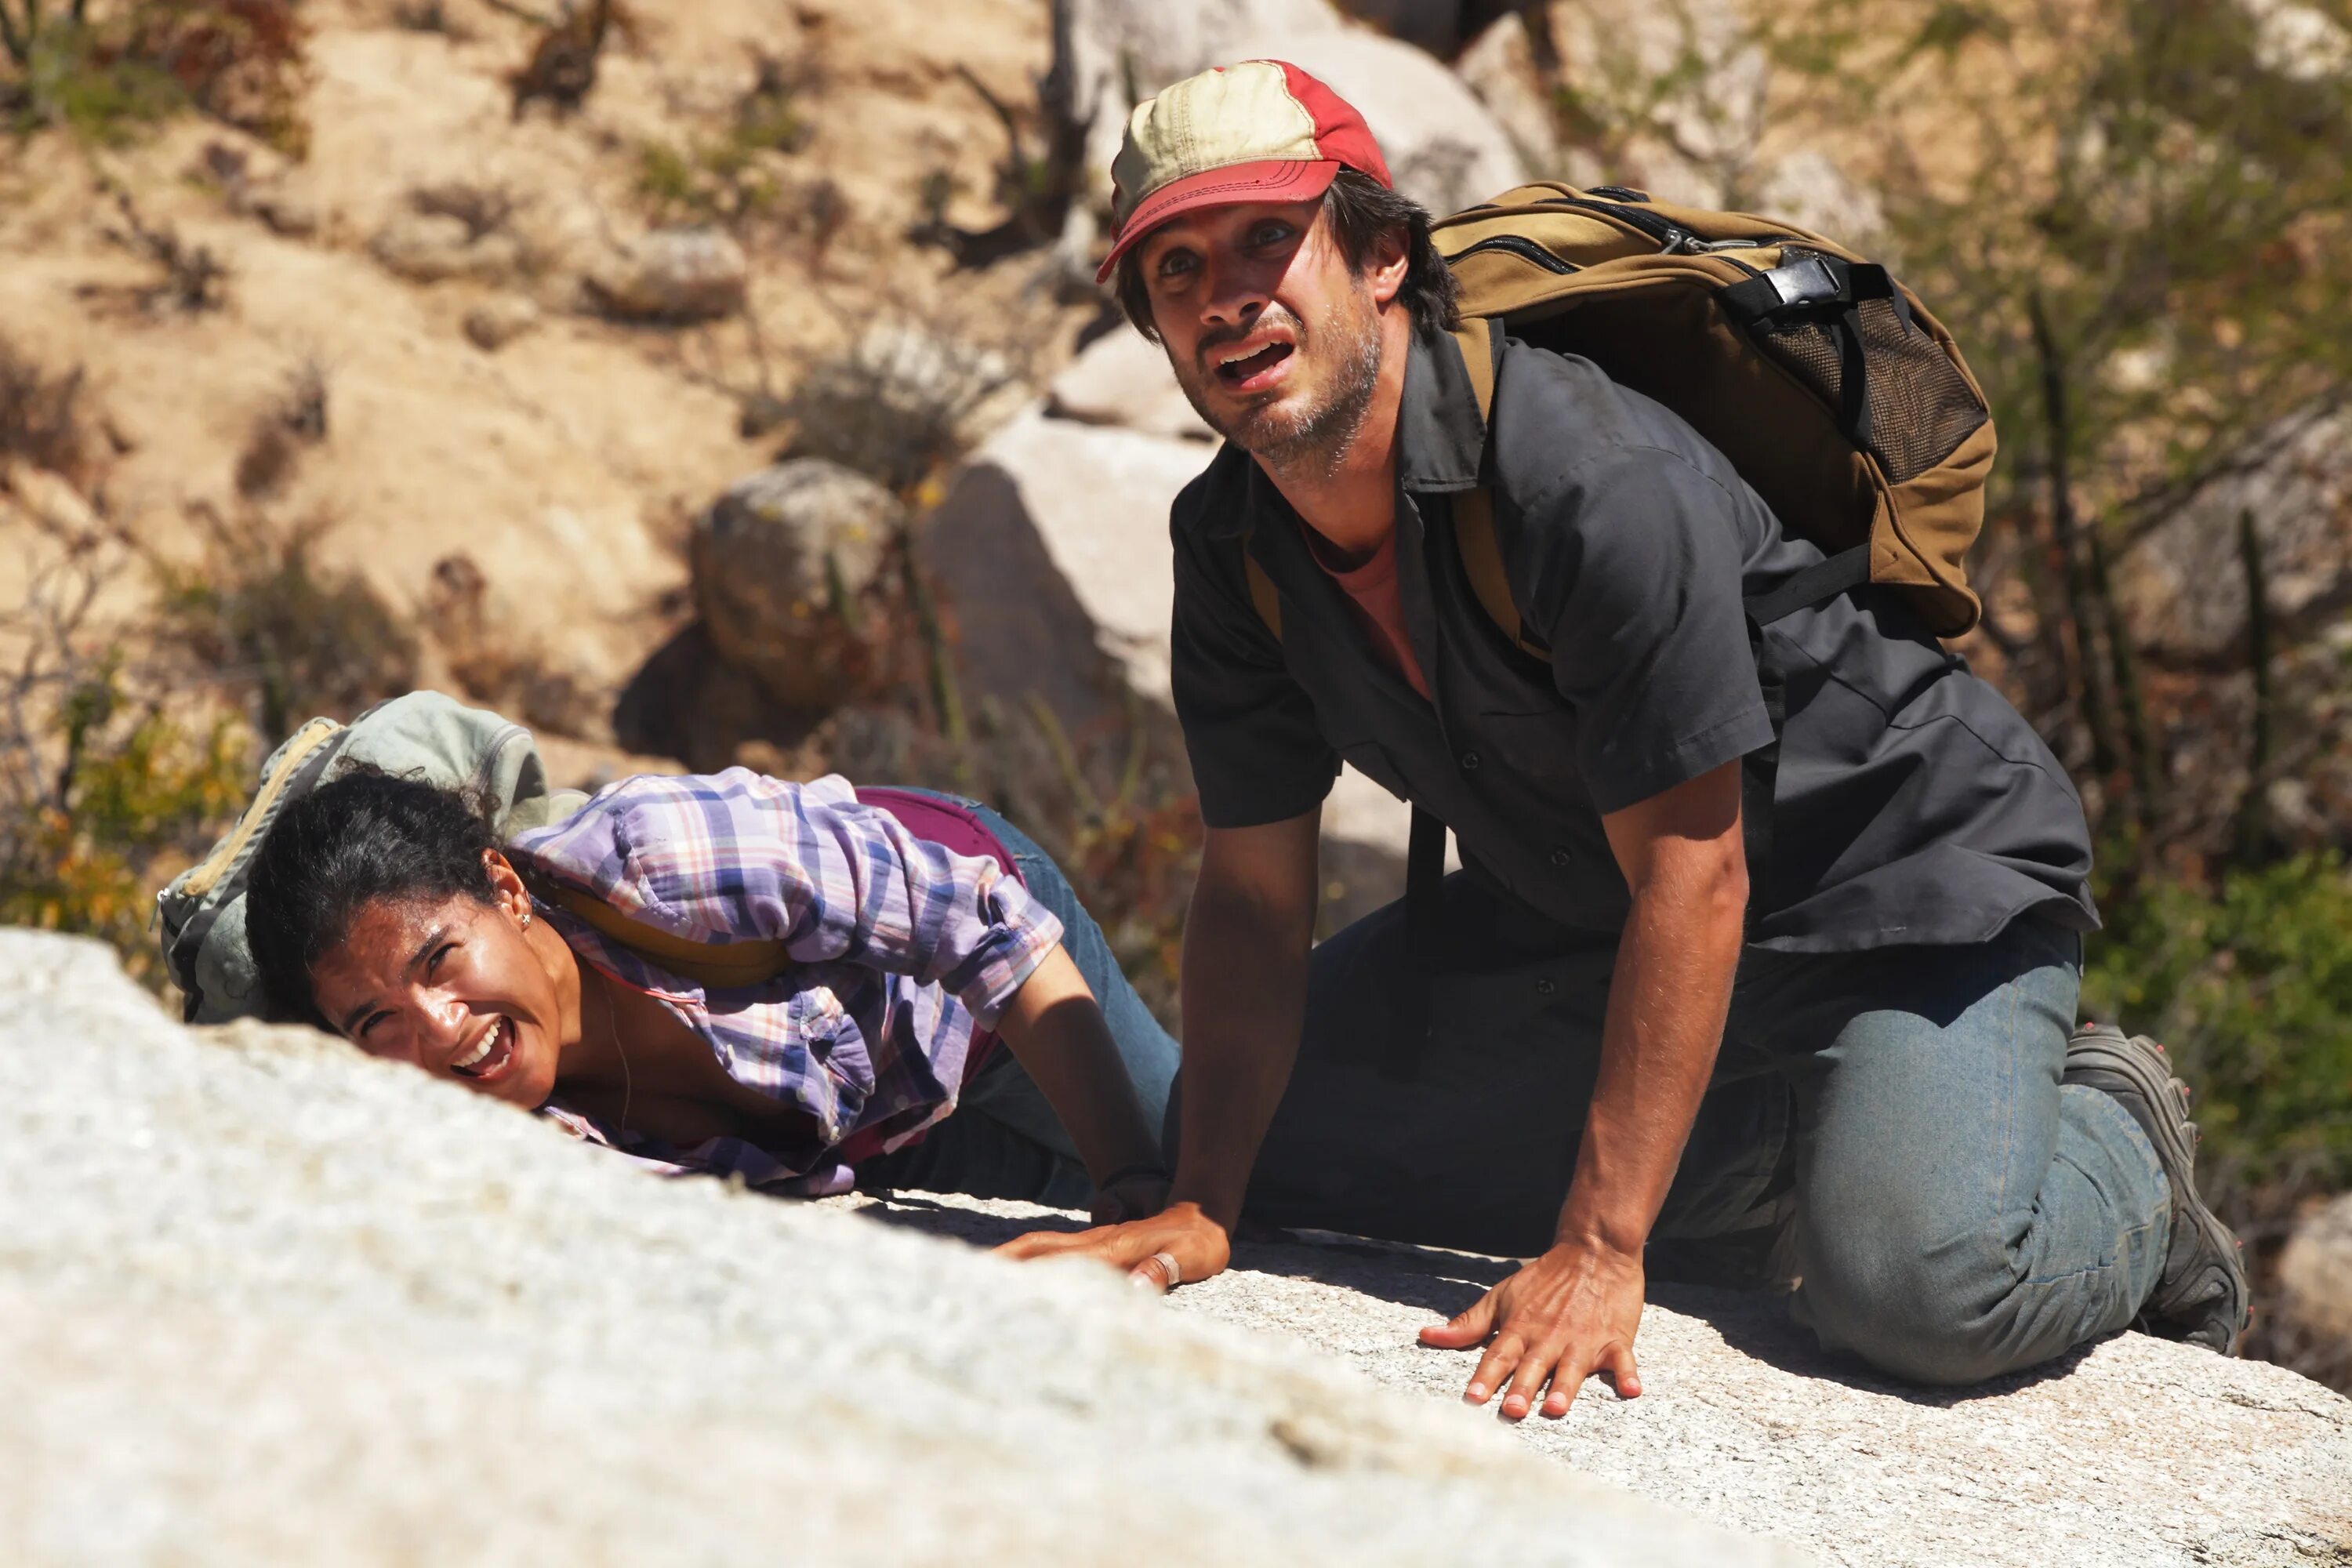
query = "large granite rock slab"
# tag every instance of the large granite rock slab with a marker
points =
(265, 1300)
(2134, 1452)
(1052, 545)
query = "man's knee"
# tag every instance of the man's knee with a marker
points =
(1925, 1311)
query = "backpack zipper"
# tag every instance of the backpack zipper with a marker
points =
(1526, 250)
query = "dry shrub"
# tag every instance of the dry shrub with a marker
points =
(561, 69)
(258, 616)
(112, 777)
(104, 71)
(296, 420)
(484, 209)
(42, 418)
(193, 280)
(240, 61)
(900, 405)
(488, 666)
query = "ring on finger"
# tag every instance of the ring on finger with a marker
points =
(1166, 1266)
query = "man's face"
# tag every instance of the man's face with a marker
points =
(1273, 336)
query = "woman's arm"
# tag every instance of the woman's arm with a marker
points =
(1056, 1030)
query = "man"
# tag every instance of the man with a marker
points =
(1970, 1191)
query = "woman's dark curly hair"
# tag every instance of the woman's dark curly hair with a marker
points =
(367, 836)
(1361, 211)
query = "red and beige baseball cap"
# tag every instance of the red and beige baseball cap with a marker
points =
(1262, 130)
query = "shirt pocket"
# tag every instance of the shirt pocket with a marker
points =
(1538, 748)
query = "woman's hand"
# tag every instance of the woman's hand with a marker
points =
(1197, 1243)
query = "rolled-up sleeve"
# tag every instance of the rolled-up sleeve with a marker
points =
(1250, 731)
(739, 856)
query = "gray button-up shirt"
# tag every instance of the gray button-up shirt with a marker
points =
(1913, 804)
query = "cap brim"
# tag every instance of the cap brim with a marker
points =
(1284, 180)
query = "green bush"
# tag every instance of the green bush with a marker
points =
(106, 71)
(2251, 990)
(137, 796)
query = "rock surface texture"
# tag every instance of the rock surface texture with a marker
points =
(264, 1300)
(673, 275)
(2315, 1285)
(2137, 1452)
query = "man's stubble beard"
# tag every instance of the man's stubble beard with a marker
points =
(1312, 440)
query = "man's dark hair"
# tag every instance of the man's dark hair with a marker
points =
(1361, 211)
(365, 836)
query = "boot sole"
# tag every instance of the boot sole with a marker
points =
(2140, 1063)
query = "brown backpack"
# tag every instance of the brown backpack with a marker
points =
(1839, 398)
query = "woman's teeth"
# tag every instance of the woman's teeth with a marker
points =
(481, 1053)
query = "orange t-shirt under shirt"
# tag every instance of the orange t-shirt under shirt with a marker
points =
(1377, 601)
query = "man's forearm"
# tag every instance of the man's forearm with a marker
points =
(1245, 994)
(1667, 1001)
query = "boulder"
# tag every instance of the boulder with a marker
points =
(672, 275)
(287, 206)
(1500, 66)
(783, 563)
(2315, 1285)
(1679, 86)
(1434, 26)
(2183, 586)
(1444, 149)
(265, 1300)
(498, 321)
(431, 247)
(2132, 1453)
(1051, 543)
(1440, 142)
(2301, 43)
(1123, 379)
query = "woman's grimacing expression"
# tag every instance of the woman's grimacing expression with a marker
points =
(459, 987)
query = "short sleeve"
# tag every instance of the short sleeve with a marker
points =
(1258, 753)
(1631, 566)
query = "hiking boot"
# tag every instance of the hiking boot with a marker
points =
(2202, 1295)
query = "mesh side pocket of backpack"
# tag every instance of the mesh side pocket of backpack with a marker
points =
(1810, 349)
(1921, 406)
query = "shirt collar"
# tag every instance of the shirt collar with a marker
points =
(1440, 439)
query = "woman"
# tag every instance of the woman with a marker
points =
(882, 945)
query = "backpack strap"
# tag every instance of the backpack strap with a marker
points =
(1481, 342)
(714, 966)
(1263, 592)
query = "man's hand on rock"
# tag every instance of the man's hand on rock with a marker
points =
(1567, 1314)
(1197, 1244)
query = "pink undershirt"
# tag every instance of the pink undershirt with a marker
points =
(1378, 603)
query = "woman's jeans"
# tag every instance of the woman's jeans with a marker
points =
(1888, 1127)
(1003, 1140)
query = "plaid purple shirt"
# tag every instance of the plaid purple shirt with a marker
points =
(901, 950)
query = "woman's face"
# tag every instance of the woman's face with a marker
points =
(459, 987)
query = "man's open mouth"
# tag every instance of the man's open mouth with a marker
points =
(1250, 371)
(489, 1054)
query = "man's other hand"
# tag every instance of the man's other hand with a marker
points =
(1568, 1314)
(1198, 1244)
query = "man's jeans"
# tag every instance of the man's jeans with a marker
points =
(1003, 1140)
(1951, 1212)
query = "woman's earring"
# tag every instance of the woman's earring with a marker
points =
(526, 920)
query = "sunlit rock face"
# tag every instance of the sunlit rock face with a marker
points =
(265, 1300)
